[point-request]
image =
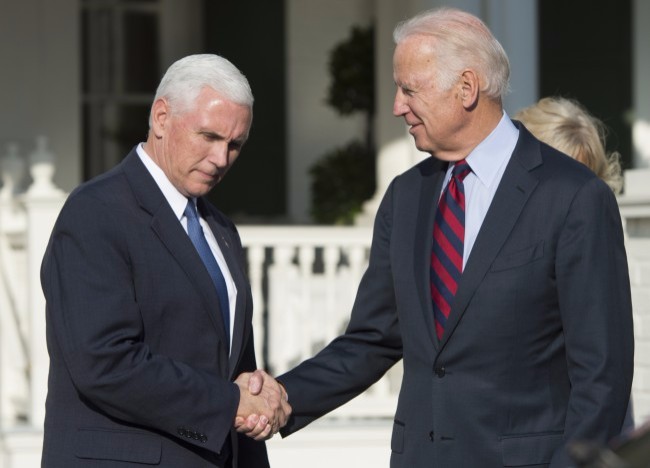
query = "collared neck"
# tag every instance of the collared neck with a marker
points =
(494, 152)
(176, 199)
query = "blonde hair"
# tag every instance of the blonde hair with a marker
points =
(567, 126)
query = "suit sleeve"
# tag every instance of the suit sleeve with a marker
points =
(595, 305)
(369, 347)
(95, 322)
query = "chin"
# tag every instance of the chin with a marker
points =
(423, 148)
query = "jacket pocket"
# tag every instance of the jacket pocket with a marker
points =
(530, 449)
(397, 439)
(126, 446)
(508, 260)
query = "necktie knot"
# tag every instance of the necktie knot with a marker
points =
(461, 170)
(190, 210)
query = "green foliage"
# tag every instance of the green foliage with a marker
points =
(345, 177)
(352, 66)
(341, 181)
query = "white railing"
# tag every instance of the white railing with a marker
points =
(304, 280)
(27, 214)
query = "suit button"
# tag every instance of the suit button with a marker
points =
(440, 371)
(431, 436)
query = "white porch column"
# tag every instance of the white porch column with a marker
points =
(641, 78)
(41, 215)
(13, 277)
(43, 201)
(514, 24)
(635, 210)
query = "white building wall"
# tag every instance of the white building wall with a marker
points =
(641, 78)
(40, 75)
(635, 209)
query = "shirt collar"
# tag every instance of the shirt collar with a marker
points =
(493, 152)
(176, 200)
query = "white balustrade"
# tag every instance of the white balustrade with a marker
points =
(26, 219)
(14, 354)
(289, 268)
(310, 278)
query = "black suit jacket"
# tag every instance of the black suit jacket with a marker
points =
(538, 348)
(139, 367)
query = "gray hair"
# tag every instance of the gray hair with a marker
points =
(186, 77)
(460, 41)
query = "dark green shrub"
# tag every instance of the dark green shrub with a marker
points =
(345, 177)
(341, 181)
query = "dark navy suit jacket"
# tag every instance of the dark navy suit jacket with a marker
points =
(538, 348)
(140, 372)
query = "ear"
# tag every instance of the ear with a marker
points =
(160, 114)
(469, 88)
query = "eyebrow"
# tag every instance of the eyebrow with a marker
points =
(218, 136)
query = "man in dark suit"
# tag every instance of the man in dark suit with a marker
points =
(503, 285)
(147, 326)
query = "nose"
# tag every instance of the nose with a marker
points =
(399, 105)
(219, 155)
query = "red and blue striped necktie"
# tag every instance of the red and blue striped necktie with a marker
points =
(447, 251)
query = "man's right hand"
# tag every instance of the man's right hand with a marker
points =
(263, 406)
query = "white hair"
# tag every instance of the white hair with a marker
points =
(186, 77)
(460, 41)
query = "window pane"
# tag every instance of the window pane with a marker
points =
(141, 61)
(97, 40)
(134, 125)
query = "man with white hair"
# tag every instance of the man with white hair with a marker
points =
(148, 306)
(497, 272)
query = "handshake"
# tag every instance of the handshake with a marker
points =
(263, 405)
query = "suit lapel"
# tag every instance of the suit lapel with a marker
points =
(171, 233)
(514, 190)
(433, 176)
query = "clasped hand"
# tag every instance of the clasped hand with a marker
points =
(263, 407)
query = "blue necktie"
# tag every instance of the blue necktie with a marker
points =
(195, 231)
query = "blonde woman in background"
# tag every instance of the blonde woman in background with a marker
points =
(566, 125)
